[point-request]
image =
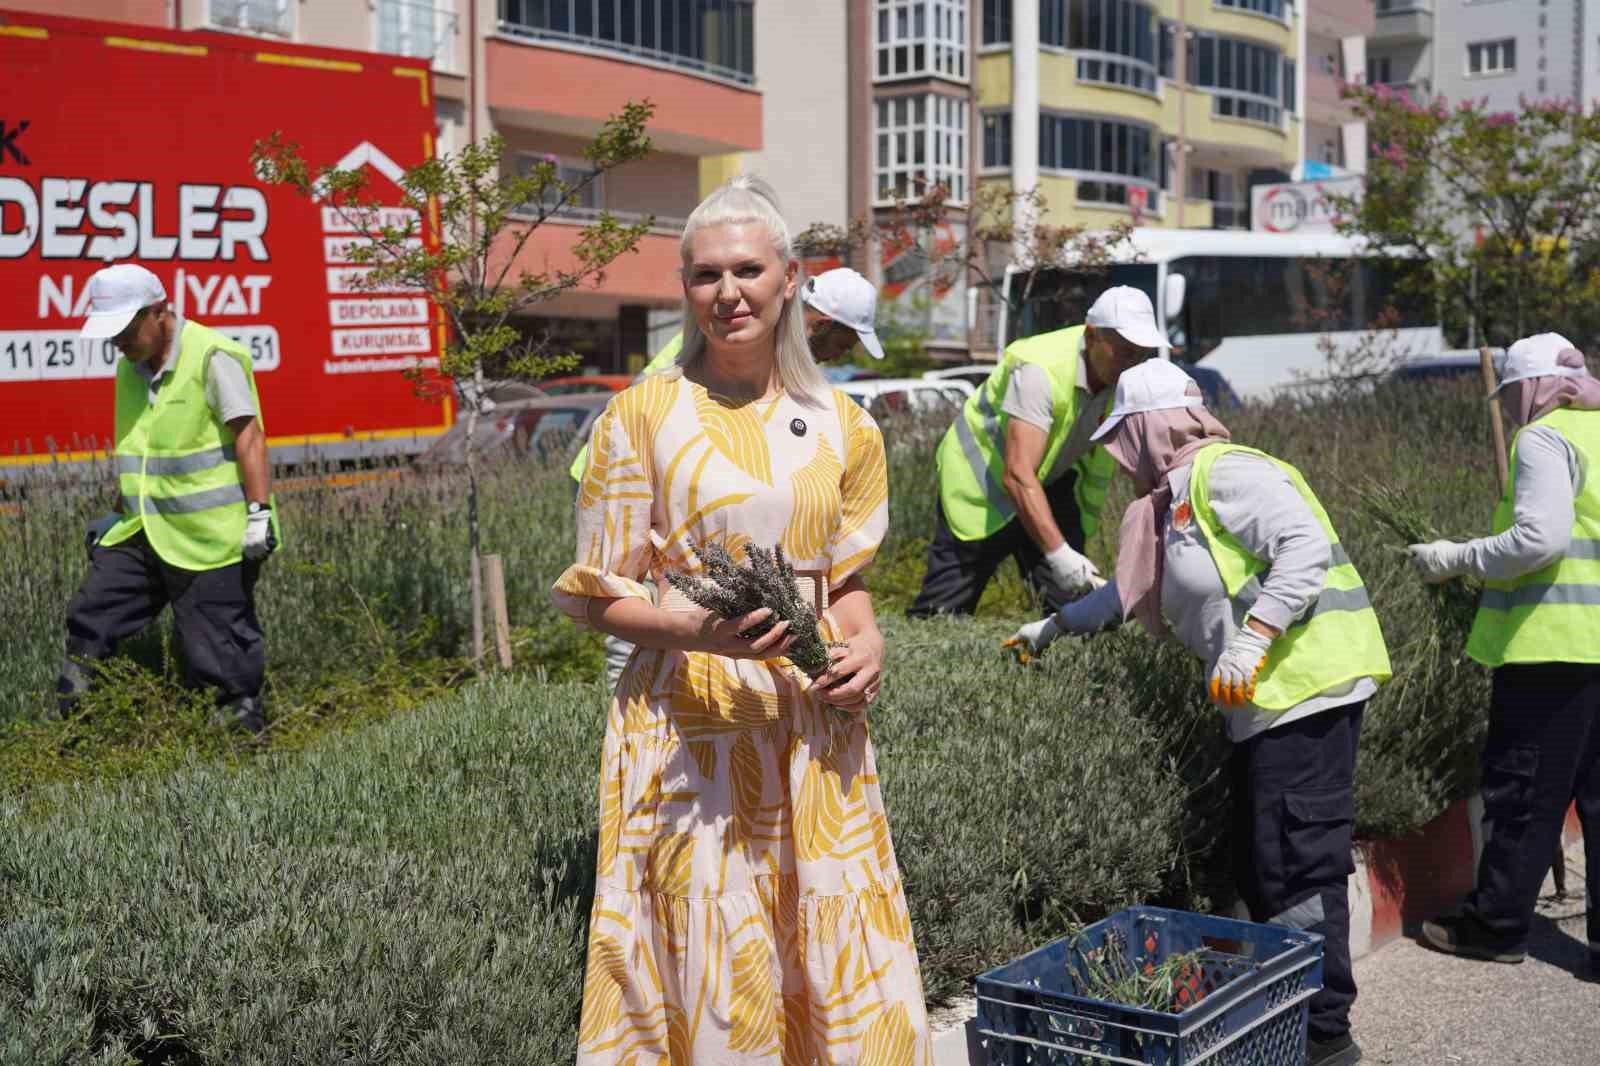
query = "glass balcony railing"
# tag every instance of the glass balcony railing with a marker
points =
(711, 37)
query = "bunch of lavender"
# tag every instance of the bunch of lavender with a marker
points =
(729, 590)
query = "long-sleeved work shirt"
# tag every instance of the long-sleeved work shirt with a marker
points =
(1254, 500)
(1549, 477)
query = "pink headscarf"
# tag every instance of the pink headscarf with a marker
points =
(1531, 399)
(1149, 446)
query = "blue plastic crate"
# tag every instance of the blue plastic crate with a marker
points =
(1252, 989)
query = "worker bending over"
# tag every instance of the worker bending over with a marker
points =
(1538, 628)
(1019, 476)
(1232, 548)
(194, 520)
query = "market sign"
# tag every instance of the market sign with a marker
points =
(1299, 206)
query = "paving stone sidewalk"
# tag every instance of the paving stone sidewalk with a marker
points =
(1417, 1007)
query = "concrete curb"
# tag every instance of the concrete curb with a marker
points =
(1397, 881)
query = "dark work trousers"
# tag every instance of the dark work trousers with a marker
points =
(214, 610)
(1294, 810)
(1543, 752)
(958, 570)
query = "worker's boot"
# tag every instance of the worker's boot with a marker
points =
(1336, 1051)
(73, 683)
(1461, 936)
(243, 714)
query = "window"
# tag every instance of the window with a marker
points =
(714, 37)
(916, 38)
(256, 16)
(1217, 186)
(1122, 31)
(1270, 8)
(1492, 57)
(586, 204)
(1250, 81)
(1330, 152)
(1290, 84)
(414, 28)
(996, 21)
(921, 142)
(1286, 291)
(997, 139)
(1126, 150)
(1380, 70)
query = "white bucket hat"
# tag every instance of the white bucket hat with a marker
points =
(849, 299)
(1537, 357)
(1153, 385)
(1128, 311)
(116, 294)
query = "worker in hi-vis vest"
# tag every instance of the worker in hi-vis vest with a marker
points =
(1538, 629)
(194, 519)
(841, 310)
(1018, 474)
(1232, 549)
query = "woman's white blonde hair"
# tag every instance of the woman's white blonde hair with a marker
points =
(747, 198)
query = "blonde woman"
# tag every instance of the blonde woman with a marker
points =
(748, 907)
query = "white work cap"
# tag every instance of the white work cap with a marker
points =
(1127, 310)
(848, 298)
(116, 294)
(1153, 385)
(1538, 357)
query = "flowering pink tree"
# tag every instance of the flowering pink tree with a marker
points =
(1503, 207)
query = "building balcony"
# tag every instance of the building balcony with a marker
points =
(1252, 131)
(1340, 18)
(1324, 104)
(715, 38)
(555, 85)
(651, 275)
(1402, 22)
(1235, 21)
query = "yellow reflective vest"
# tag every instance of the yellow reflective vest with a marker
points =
(1551, 615)
(175, 460)
(971, 456)
(1336, 641)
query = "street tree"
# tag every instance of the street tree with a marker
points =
(457, 238)
(1501, 207)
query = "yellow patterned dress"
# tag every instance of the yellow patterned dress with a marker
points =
(748, 908)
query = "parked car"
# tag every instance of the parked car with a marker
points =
(578, 384)
(1446, 366)
(549, 428)
(894, 396)
(974, 374)
(838, 373)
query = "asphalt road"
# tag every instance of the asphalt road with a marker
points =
(1416, 1007)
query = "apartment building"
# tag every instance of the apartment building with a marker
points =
(1336, 33)
(545, 74)
(1500, 51)
(1111, 105)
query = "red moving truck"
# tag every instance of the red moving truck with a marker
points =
(123, 143)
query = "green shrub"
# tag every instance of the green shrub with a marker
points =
(416, 891)
(417, 894)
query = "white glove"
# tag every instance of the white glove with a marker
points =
(1438, 561)
(1233, 679)
(259, 540)
(1092, 613)
(1073, 572)
(1033, 638)
(99, 528)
